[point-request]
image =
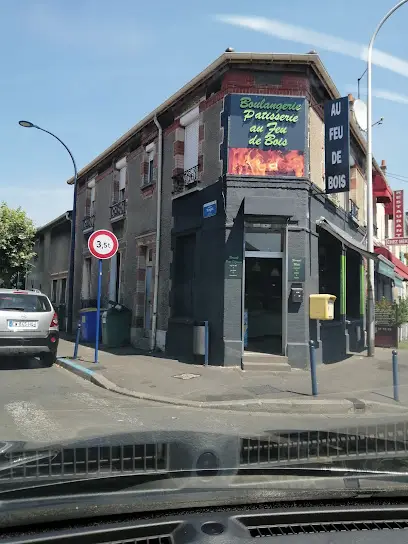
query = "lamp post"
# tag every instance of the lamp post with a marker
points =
(370, 205)
(28, 124)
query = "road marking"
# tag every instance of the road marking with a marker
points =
(107, 407)
(33, 422)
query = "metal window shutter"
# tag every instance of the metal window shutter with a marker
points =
(191, 144)
(122, 178)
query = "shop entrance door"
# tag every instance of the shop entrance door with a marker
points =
(263, 303)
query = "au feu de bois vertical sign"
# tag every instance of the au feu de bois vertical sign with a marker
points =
(337, 145)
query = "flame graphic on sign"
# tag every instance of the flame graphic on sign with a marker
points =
(257, 162)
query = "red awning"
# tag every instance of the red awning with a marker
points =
(381, 190)
(400, 268)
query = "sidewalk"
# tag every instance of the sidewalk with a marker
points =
(355, 385)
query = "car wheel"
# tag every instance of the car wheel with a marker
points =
(48, 359)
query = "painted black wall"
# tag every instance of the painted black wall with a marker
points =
(208, 300)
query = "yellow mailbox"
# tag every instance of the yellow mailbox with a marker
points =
(321, 307)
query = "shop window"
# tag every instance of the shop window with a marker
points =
(183, 277)
(329, 268)
(353, 262)
(258, 240)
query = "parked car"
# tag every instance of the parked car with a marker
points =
(28, 325)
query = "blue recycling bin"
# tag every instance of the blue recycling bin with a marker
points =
(88, 325)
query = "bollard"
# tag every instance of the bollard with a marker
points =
(313, 367)
(395, 374)
(78, 332)
(206, 343)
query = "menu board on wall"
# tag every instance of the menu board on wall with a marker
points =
(399, 230)
(266, 135)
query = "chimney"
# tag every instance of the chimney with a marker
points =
(351, 99)
(383, 166)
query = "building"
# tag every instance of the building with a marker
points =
(217, 199)
(49, 271)
(391, 271)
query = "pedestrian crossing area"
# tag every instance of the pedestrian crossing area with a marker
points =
(76, 414)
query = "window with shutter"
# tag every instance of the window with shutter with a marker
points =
(122, 183)
(92, 201)
(191, 133)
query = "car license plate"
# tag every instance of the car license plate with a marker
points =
(22, 325)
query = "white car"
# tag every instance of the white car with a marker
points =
(28, 325)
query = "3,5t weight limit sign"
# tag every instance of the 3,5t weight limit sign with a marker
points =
(103, 244)
(337, 145)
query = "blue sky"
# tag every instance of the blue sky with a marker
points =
(90, 69)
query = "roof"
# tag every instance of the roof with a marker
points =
(223, 60)
(66, 216)
(228, 58)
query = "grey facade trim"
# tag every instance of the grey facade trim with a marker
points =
(258, 205)
(345, 238)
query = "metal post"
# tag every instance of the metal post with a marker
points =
(78, 332)
(98, 311)
(313, 367)
(71, 272)
(206, 342)
(370, 205)
(28, 124)
(395, 374)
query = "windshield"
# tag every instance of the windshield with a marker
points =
(217, 296)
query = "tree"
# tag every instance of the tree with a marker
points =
(17, 237)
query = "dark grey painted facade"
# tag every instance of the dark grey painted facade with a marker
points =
(218, 298)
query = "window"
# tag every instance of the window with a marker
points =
(121, 166)
(24, 303)
(91, 194)
(149, 176)
(191, 124)
(150, 167)
(54, 287)
(92, 203)
(114, 277)
(63, 291)
(86, 279)
(122, 183)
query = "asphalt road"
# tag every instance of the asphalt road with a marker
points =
(48, 405)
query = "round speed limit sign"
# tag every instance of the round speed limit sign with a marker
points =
(103, 244)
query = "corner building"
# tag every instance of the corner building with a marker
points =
(233, 164)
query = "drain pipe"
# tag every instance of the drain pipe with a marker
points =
(158, 236)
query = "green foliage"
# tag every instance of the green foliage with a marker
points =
(402, 311)
(17, 236)
(397, 311)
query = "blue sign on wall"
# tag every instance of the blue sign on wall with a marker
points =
(266, 135)
(337, 145)
(210, 209)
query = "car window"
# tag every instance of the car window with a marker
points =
(25, 303)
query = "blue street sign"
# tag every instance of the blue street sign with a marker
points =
(210, 209)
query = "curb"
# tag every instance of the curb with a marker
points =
(310, 406)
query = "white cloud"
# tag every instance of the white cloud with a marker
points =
(320, 40)
(383, 94)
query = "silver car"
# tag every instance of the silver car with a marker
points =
(28, 325)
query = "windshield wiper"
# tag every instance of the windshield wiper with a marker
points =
(111, 482)
(17, 309)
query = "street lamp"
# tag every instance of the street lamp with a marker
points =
(370, 205)
(28, 124)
